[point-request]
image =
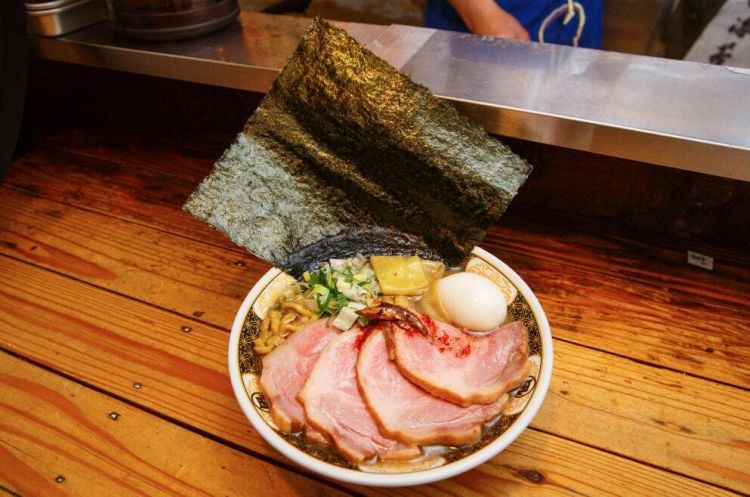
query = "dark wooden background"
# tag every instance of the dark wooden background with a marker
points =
(707, 214)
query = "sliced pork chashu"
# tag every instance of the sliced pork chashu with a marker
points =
(334, 406)
(409, 413)
(459, 367)
(286, 369)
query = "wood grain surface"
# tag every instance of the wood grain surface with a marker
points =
(644, 413)
(66, 439)
(185, 276)
(606, 294)
(92, 174)
(198, 395)
(110, 290)
(609, 291)
(61, 438)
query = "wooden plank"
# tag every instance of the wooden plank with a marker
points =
(692, 426)
(690, 209)
(606, 291)
(171, 364)
(181, 275)
(135, 191)
(60, 438)
(189, 159)
(603, 293)
(538, 464)
(83, 451)
(670, 420)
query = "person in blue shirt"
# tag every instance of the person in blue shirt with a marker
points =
(565, 22)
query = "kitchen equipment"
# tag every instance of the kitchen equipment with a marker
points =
(58, 17)
(163, 20)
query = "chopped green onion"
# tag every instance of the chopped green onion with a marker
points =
(338, 284)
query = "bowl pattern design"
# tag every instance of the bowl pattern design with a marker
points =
(249, 365)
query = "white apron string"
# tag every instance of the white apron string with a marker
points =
(569, 9)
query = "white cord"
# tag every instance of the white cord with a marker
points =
(569, 9)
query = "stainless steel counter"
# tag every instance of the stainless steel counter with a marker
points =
(672, 113)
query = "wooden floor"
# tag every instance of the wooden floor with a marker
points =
(114, 314)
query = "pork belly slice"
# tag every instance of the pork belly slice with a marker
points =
(459, 367)
(334, 406)
(313, 436)
(285, 371)
(409, 413)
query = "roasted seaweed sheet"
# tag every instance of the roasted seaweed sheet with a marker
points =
(344, 141)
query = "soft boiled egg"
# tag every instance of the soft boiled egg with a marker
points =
(471, 301)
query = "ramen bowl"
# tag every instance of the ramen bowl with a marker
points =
(437, 462)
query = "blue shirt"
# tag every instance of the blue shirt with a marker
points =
(530, 13)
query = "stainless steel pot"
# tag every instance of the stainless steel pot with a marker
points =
(58, 17)
(160, 20)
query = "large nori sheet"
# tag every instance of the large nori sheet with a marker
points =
(345, 141)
